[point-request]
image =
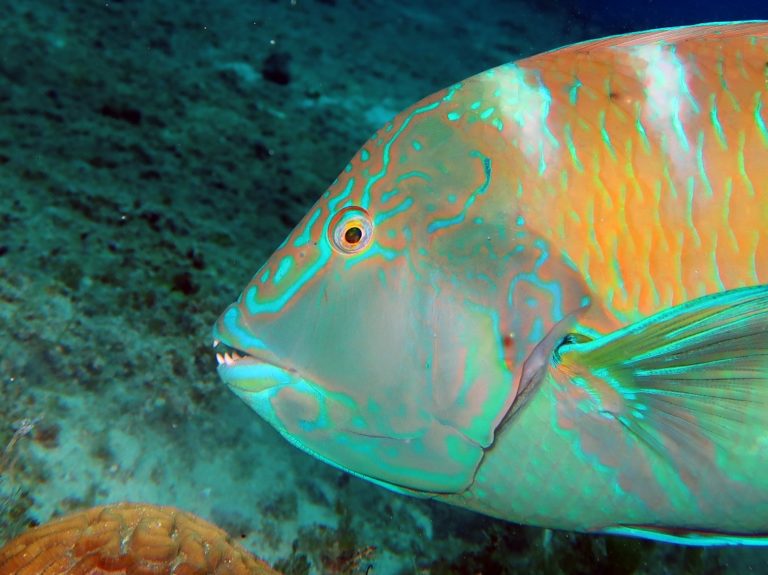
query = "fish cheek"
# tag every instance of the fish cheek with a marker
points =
(502, 289)
(330, 427)
(303, 410)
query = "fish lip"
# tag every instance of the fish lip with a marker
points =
(250, 372)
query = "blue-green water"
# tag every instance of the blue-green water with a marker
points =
(152, 155)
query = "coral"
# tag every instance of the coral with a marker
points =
(128, 539)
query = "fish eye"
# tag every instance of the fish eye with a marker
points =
(353, 235)
(351, 230)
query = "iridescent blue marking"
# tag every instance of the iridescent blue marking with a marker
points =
(742, 168)
(385, 157)
(691, 189)
(242, 335)
(700, 161)
(283, 268)
(375, 250)
(537, 331)
(678, 125)
(759, 118)
(332, 205)
(641, 130)
(434, 226)
(573, 93)
(553, 288)
(716, 266)
(304, 237)
(546, 106)
(415, 174)
(458, 218)
(454, 116)
(572, 149)
(386, 196)
(452, 92)
(255, 307)
(667, 54)
(716, 123)
(619, 276)
(485, 278)
(606, 137)
(403, 206)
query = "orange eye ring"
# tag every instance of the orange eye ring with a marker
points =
(351, 230)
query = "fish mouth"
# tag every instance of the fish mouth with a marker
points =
(249, 373)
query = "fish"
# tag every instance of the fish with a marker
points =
(541, 294)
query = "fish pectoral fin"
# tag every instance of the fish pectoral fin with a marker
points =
(684, 379)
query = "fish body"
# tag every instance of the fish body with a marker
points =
(542, 294)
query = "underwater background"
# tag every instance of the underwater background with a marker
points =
(152, 155)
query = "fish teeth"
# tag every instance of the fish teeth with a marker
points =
(228, 358)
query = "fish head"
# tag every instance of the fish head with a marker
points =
(386, 334)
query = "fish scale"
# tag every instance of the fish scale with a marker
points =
(711, 239)
(542, 294)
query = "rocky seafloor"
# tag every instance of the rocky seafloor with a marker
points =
(152, 155)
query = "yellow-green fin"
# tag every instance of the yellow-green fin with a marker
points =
(694, 375)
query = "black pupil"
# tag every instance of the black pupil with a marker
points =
(353, 235)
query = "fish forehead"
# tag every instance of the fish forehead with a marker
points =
(414, 177)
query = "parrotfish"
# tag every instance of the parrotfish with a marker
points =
(541, 294)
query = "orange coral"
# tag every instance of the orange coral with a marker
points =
(128, 539)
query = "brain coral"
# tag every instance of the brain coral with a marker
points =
(128, 539)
